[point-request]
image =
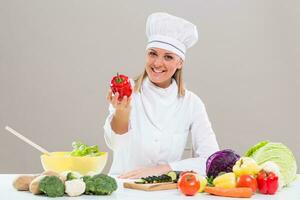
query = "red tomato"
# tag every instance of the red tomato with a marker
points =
(247, 181)
(189, 184)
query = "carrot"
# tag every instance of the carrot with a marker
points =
(240, 192)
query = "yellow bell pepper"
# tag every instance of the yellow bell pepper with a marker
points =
(246, 166)
(227, 180)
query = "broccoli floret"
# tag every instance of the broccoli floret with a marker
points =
(72, 176)
(100, 184)
(52, 186)
(86, 178)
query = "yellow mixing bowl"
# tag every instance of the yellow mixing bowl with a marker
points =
(62, 161)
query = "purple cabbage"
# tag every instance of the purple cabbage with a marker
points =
(221, 161)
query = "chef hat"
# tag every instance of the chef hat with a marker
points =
(171, 33)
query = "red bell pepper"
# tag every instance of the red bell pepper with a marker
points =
(121, 84)
(267, 182)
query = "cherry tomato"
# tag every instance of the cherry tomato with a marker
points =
(189, 184)
(247, 181)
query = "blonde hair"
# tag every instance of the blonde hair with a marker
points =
(177, 76)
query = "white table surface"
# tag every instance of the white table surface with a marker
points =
(7, 192)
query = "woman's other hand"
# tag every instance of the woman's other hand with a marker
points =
(146, 171)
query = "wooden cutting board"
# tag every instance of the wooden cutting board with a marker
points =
(150, 187)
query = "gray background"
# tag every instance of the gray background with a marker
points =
(58, 56)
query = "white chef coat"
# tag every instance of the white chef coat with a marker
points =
(159, 125)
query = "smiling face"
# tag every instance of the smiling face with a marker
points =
(161, 65)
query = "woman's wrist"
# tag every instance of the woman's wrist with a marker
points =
(165, 168)
(120, 121)
(122, 112)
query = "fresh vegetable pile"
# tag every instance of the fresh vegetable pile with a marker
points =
(73, 184)
(265, 168)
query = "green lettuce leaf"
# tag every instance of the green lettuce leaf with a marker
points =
(81, 149)
(253, 149)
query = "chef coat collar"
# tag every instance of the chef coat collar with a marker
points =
(162, 91)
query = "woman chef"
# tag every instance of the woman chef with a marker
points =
(148, 131)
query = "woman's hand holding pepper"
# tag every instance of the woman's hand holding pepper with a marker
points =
(123, 105)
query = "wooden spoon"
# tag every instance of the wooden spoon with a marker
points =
(38, 147)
